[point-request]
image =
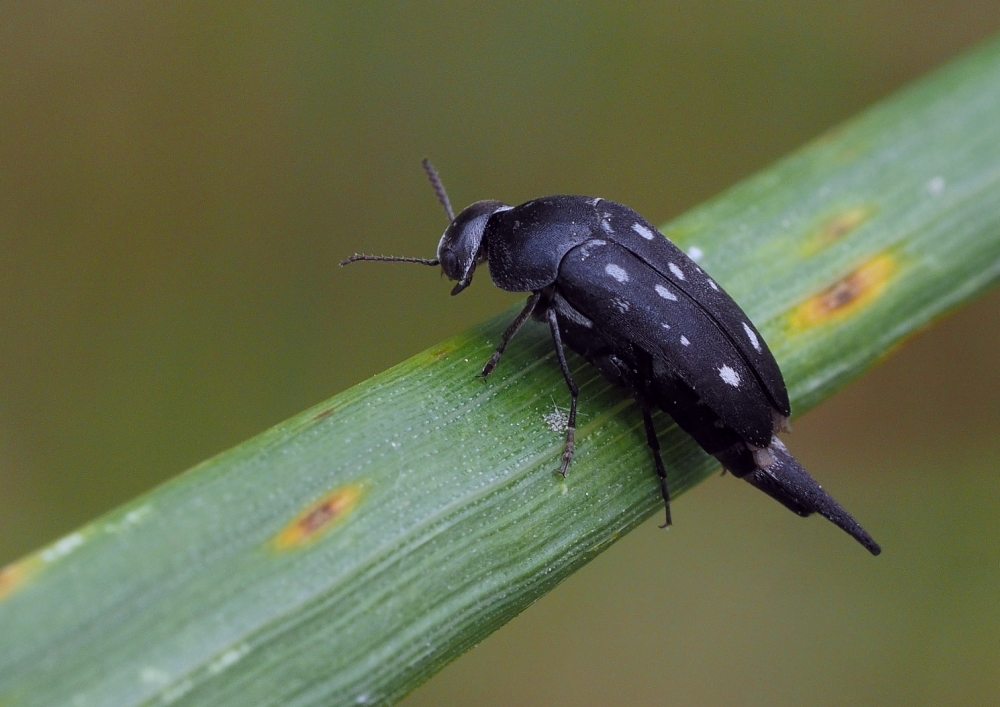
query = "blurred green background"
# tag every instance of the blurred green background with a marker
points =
(178, 182)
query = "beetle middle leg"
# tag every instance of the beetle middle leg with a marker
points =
(654, 444)
(573, 390)
(509, 333)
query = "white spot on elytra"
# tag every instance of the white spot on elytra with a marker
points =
(935, 186)
(642, 231)
(711, 283)
(695, 253)
(752, 336)
(730, 376)
(606, 227)
(675, 269)
(684, 341)
(665, 293)
(62, 547)
(616, 271)
(665, 326)
(585, 248)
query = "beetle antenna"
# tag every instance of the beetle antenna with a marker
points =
(388, 258)
(438, 188)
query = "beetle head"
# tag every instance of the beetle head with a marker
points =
(461, 247)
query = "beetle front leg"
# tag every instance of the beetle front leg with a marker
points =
(654, 444)
(573, 391)
(509, 333)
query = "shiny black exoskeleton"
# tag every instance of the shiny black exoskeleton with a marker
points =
(619, 293)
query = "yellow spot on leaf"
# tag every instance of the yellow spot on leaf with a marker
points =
(846, 296)
(318, 517)
(12, 577)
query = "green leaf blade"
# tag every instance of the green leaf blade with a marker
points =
(347, 554)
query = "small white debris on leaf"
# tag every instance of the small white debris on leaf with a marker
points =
(935, 186)
(557, 420)
(233, 655)
(62, 547)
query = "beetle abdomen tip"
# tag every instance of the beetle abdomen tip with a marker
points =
(788, 483)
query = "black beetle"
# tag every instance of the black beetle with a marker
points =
(620, 294)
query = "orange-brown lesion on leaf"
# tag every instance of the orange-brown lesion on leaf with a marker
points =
(324, 413)
(13, 576)
(442, 351)
(837, 226)
(318, 517)
(847, 295)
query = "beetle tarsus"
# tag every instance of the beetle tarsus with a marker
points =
(568, 451)
(574, 392)
(669, 521)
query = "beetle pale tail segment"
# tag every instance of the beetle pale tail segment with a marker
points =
(654, 444)
(788, 483)
(509, 333)
(442, 195)
(389, 259)
(574, 392)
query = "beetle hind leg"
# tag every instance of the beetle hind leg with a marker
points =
(661, 471)
(574, 392)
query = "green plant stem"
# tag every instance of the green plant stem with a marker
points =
(349, 553)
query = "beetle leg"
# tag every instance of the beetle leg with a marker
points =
(509, 333)
(654, 444)
(573, 391)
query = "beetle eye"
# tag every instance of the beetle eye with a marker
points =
(449, 263)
